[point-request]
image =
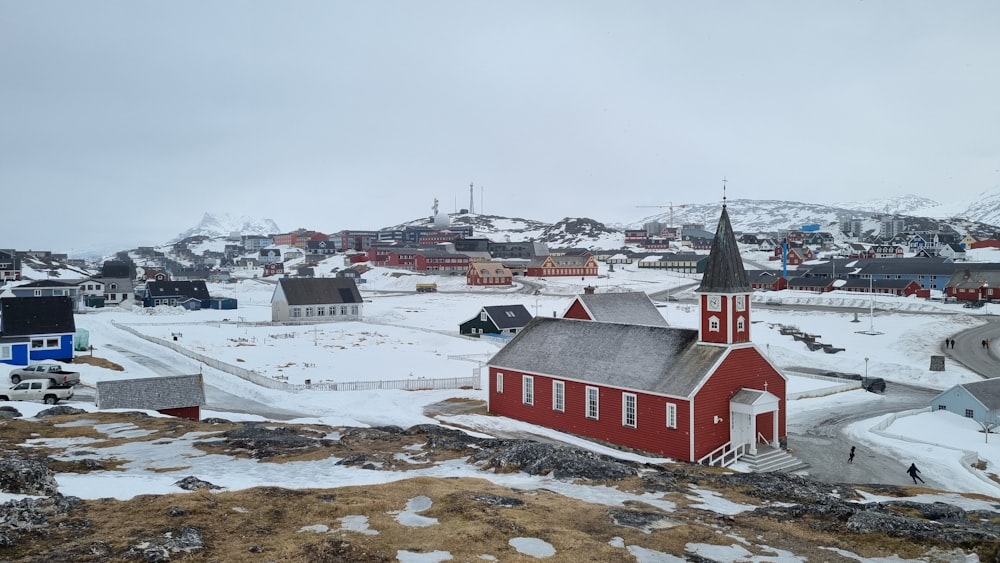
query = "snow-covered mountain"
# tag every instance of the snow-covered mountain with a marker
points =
(903, 205)
(220, 225)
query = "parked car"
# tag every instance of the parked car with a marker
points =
(873, 384)
(53, 372)
(43, 390)
(974, 304)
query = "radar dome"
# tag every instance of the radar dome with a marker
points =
(442, 221)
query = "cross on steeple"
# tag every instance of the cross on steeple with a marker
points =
(724, 180)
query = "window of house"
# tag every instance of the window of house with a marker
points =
(320, 311)
(38, 293)
(942, 407)
(309, 311)
(592, 402)
(671, 415)
(482, 316)
(528, 390)
(713, 324)
(740, 324)
(499, 383)
(343, 309)
(559, 396)
(968, 413)
(628, 409)
(354, 310)
(296, 312)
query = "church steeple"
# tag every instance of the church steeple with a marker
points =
(725, 290)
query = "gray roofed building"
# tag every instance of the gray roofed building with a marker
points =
(630, 307)
(178, 395)
(725, 272)
(978, 400)
(660, 359)
(316, 300)
(508, 316)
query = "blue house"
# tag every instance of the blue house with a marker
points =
(175, 294)
(34, 329)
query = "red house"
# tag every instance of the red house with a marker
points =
(701, 395)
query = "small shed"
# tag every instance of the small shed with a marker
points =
(222, 303)
(176, 395)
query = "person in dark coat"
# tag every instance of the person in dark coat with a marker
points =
(914, 473)
(850, 458)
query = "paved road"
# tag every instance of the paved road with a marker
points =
(819, 440)
(970, 353)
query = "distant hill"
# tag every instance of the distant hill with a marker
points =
(224, 224)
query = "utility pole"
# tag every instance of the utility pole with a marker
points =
(472, 200)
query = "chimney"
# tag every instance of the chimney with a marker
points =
(589, 290)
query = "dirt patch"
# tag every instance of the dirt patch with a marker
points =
(99, 362)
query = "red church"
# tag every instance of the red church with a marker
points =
(707, 395)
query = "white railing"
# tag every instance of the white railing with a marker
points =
(404, 384)
(724, 456)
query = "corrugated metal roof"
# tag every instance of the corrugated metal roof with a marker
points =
(654, 359)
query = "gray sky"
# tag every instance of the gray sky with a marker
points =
(122, 122)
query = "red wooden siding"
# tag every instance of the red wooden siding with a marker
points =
(193, 413)
(576, 311)
(743, 367)
(650, 433)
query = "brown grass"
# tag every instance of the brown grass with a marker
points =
(99, 362)
(264, 523)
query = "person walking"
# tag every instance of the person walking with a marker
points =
(914, 473)
(850, 458)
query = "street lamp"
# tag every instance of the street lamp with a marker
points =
(866, 368)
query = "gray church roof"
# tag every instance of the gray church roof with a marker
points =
(151, 393)
(631, 307)
(653, 359)
(724, 272)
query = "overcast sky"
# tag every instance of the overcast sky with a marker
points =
(121, 123)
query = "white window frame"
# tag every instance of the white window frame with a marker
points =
(559, 396)
(671, 418)
(6, 352)
(714, 324)
(593, 403)
(741, 324)
(499, 383)
(528, 390)
(630, 407)
(295, 312)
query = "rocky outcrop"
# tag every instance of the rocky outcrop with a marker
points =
(26, 477)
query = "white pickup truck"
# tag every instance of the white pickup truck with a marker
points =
(37, 390)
